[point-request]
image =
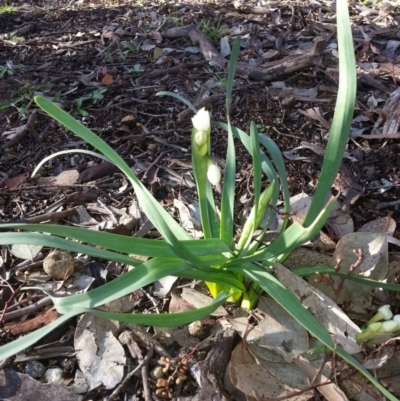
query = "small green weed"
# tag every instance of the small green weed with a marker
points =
(137, 68)
(7, 9)
(128, 48)
(17, 39)
(109, 57)
(263, 127)
(21, 98)
(177, 22)
(90, 100)
(9, 69)
(211, 31)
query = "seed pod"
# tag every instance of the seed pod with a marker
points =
(166, 368)
(162, 383)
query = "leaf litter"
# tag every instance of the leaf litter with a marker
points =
(110, 66)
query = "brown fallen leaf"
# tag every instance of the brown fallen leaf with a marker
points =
(28, 325)
(107, 79)
(15, 182)
(66, 178)
(330, 391)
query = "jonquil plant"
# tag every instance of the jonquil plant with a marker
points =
(216, 259)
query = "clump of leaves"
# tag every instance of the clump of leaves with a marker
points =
(216, 259)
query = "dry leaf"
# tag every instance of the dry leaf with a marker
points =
(107, 79)
(100, 355)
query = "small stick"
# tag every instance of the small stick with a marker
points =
(116, 392)
(145, 374)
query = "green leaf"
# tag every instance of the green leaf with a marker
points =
(265, 162)
(63, 152)
(228, 191)
(255, 217)
(179, 97)
(255, 154)
(343, 115)
(173, 233)
(123, 243)
(164, 320)
(310, 271)
(68, 245)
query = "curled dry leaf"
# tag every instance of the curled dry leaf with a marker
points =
(373, 264)
(330, 391)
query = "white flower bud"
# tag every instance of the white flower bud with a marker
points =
(374, 327)
(386, 312)
(213, 174)
(396, 318)
(201, 121)
(200, 137)
(389, 326)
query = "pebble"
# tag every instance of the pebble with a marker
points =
(196, 329)
(54, 375)
(128, 221)
(157, 372)
(35, 369)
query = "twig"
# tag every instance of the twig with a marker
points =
(173, 70)
(27, 310)
(49, 216)
(358, 252)
(7, 303)
(153, 301)
(147, 340)
(145, 374)
(116, 392)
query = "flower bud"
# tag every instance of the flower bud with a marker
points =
(203, 150)
(201, 121)
(384, 313)
(374, 327)
(389, 326)
(213, 174)
(200, 137)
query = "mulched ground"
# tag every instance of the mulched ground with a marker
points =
(105, 61)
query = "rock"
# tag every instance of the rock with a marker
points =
(35, 369)
(196, 329)
(54, 375)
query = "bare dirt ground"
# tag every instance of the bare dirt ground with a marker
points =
(105, 61)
